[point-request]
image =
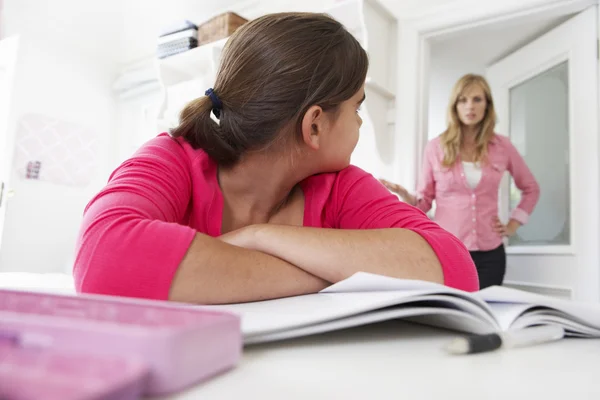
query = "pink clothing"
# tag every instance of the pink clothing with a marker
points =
(466, 212)
(136, 231)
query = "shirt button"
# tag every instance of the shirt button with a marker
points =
(473, 207)
(473, 195)
(473, 219)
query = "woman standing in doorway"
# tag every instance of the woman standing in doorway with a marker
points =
(462, 169)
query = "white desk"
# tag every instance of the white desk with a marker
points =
(392, 360)
(398, 360)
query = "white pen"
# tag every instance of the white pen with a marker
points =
(520, 338)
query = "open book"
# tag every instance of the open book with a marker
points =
(368, 298)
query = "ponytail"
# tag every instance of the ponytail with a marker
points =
(201, 132)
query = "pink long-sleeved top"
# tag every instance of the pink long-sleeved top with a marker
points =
(468, 213)
(136, 231)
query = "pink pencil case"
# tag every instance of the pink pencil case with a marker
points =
(30, 373)
(179, 344)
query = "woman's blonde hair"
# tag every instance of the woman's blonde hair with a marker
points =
(451, 139)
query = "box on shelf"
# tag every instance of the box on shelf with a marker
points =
(219, 27)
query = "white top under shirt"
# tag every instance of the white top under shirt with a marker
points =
(472, 173)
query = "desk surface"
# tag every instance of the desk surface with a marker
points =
(398, 360)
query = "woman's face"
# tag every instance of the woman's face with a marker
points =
(471, 105)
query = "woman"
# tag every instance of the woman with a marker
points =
(462, 169)
(252, 196)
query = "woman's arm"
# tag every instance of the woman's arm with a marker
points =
(426, 184)
(525, 182)
(401, 191)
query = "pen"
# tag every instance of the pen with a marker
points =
(473, 344)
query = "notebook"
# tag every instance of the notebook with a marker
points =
(366, 298)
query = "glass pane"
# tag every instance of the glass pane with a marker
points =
(539, 129)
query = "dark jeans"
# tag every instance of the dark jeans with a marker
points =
(491, 266)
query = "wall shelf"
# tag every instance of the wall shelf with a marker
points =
(192, 63)
(370, 83)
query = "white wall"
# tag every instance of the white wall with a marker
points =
(62, 73)
(71, 53)
(448, 64)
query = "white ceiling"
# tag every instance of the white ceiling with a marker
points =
(110, 31)
(410, 9)
(489, 43)
(120, 31)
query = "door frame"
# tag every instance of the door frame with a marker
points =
(414, 48)
(414, 41)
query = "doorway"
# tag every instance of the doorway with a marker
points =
(543, 69)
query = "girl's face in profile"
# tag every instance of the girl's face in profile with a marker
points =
(343, 133)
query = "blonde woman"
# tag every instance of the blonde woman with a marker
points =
(462, 169)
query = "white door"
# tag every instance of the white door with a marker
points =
(546, 96)
(8, 60)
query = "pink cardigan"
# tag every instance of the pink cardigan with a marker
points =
(466, 212)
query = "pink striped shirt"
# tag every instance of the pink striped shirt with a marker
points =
(468, 213)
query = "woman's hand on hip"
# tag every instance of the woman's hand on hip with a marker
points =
(507, 230)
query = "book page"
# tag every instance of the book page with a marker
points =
(292, 312)
(586, 313)
(348, 303)
(507, 313)
(438, 317)
(367, 282)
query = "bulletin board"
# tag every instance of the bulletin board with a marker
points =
(51, 150)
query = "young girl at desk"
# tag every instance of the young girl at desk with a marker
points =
(462, 169)
(252, 196)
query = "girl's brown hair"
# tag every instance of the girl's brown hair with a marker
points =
(272, 70)
(452, 136)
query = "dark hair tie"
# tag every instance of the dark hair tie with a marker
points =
(216, 102)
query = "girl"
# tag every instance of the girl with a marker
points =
(252, 196)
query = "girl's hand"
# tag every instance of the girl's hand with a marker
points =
(243, 237)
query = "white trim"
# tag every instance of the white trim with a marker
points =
(385, 92)
(382, 9)
(405, 143)
(549, 64)
(463, 14)
(568, 250)
(563, 292)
